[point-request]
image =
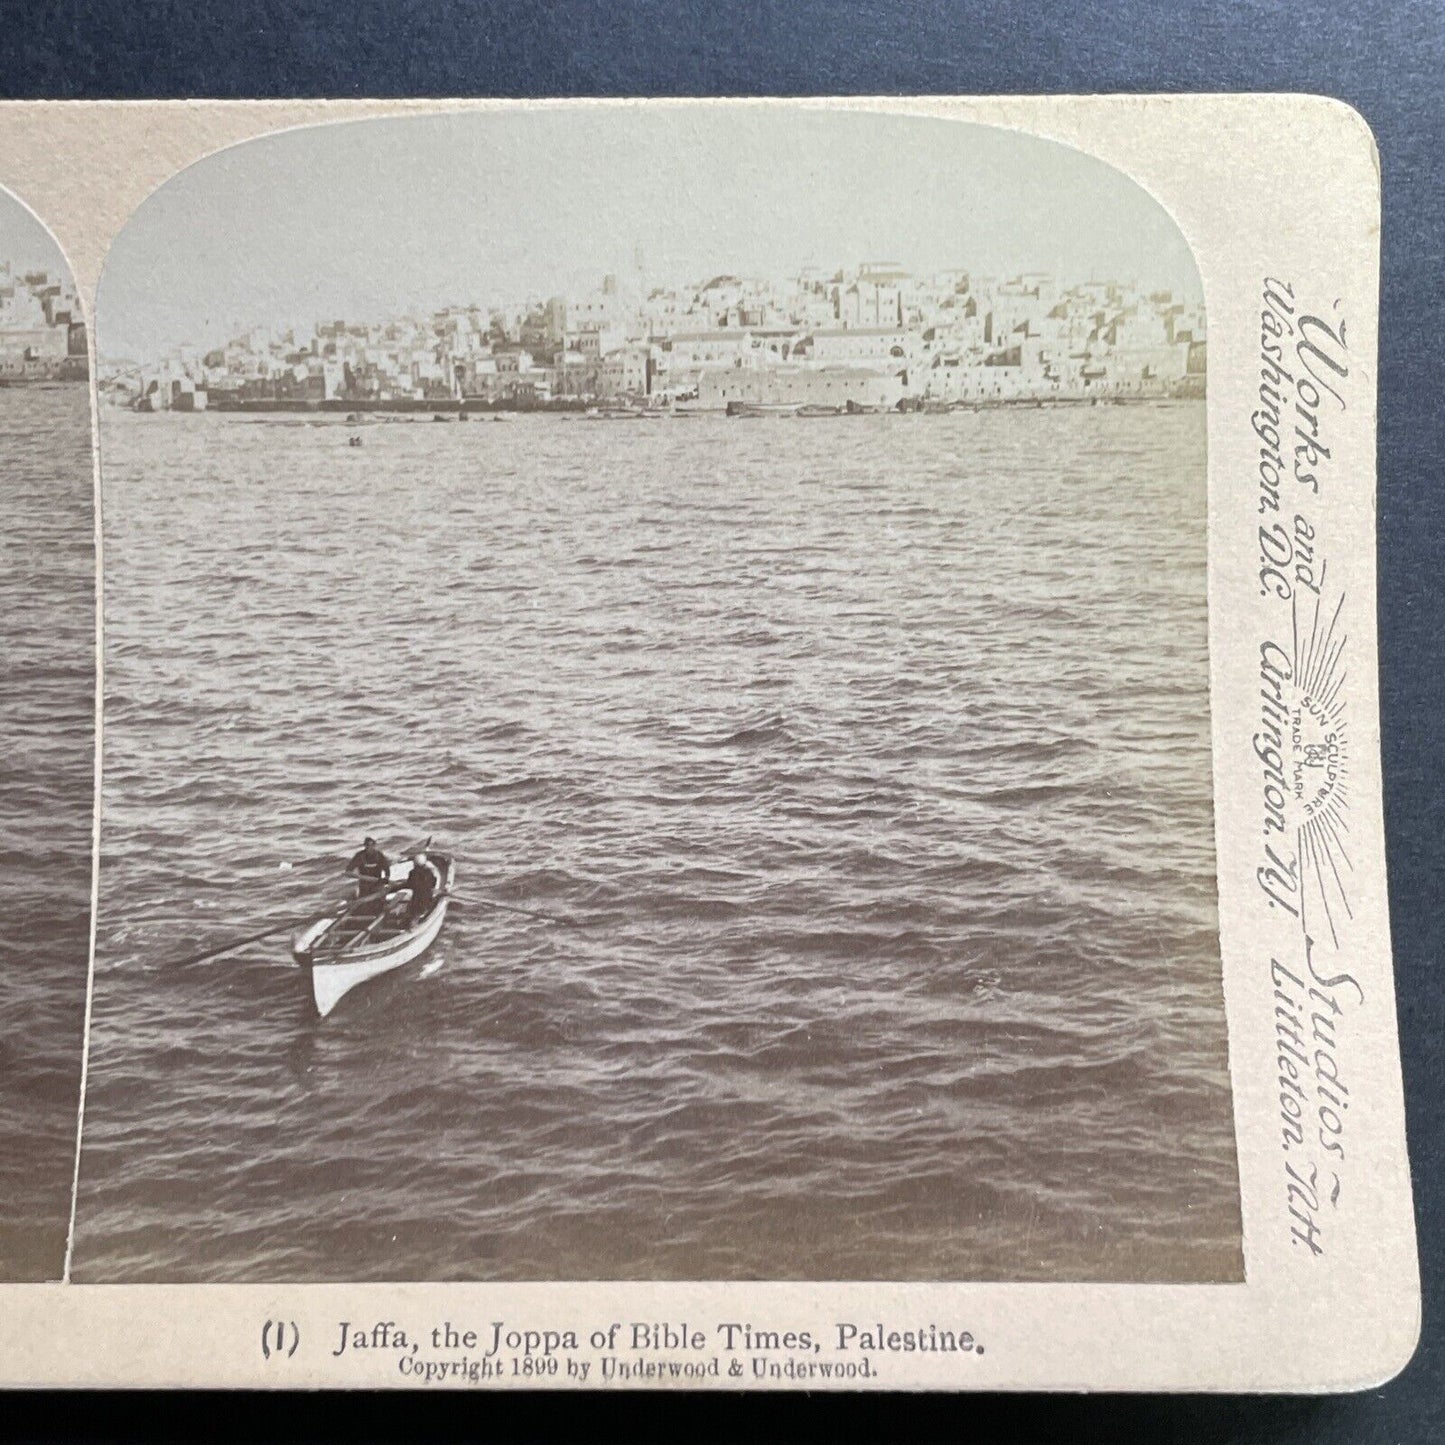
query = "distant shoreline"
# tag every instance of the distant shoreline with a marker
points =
(451, 408)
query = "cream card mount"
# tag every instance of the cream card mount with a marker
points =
(885, 683)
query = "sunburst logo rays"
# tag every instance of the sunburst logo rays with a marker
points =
(1320, 761)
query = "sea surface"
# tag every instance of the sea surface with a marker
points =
(864, 760)
(47, 802)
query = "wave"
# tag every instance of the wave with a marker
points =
(898, 954)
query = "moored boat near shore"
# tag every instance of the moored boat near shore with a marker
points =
(755, 408)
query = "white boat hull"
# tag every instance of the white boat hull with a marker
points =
(333, 979)
(331, 982)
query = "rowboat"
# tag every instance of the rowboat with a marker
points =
(368, 937)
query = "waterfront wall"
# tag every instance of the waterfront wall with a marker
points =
(15, 370)
(798, 386)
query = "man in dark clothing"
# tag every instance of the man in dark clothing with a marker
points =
(423, 880)
(371, 867)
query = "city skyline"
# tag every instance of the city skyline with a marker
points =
(875, 338)
(42, 331)
(304, 327)
(378, 218)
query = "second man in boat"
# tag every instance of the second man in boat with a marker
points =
(423, 880)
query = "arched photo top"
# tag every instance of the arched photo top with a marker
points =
(43, 335)
(372, 218)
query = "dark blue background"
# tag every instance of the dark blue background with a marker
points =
(1386, 60)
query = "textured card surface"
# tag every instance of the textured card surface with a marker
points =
(731, 744)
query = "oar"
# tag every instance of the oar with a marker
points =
(342, 909)
(236, 943)
(512, 908)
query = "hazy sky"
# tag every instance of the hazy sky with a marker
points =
(24, 242)
(370, 218)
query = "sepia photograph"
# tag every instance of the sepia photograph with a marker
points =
(47, 716)
(657, 710)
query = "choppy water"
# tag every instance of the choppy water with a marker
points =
(872, 752)
(47, 794)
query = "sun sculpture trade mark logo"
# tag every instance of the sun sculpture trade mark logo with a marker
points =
(1303, 745)
(1318, 763)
